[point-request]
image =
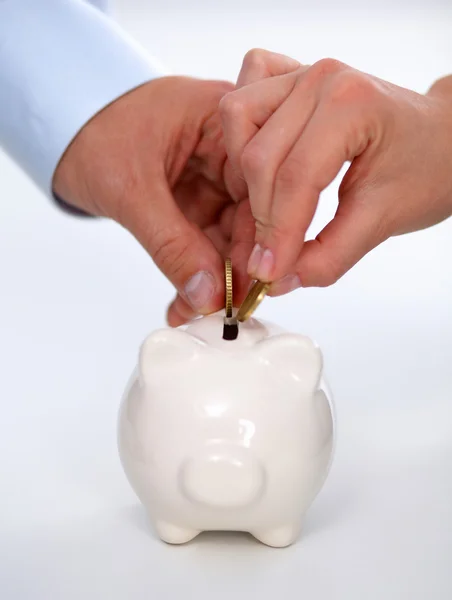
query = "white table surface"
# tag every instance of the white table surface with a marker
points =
(77, 298)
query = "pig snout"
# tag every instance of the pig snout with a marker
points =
(223, 478)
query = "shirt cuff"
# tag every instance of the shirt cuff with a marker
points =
(61, 62)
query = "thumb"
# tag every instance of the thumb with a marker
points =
(357, 228)
(179, 312)
(178, 247)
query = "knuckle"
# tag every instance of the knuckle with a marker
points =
(350, 86)
(232, 106)
(171, 252)
(266, 227)
(256, 57)
(327, 66)
(262, 223)
(332, 271)
(289, 177)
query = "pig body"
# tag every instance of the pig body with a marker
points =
(227, 435)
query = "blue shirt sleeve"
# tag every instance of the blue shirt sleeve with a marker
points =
(61, 62)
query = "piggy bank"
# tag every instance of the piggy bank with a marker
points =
(219, 434)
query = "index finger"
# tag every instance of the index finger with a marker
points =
(260, 64)
(330, 139)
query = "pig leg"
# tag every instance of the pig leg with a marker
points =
(278, 537)
(172, 534)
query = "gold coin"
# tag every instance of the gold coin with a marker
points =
(228, 286)
(255, 296)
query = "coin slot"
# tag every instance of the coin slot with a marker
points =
(230, 329)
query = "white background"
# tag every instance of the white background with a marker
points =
(77, 298)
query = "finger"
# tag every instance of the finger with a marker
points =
(334, 135)
(261, 129)
(360, 224)
(179, 248)
(354, 231)
(260, 64)
(244, 111)
(286, 284)
(267, 151)
(238, 223)
(179, 312)
(234, 182)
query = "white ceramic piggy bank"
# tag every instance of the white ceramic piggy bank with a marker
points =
(227, 435)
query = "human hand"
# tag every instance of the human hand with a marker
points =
(290, 128)
(155, 162)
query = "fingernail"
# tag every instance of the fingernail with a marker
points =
(255, 259)
(285, 285)
(199, 289)
(264, 269)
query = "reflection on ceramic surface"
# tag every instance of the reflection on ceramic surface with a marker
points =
(227, 435)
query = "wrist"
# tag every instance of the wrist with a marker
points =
(104, 145)
(157, 126)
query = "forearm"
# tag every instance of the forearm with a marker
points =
(61, 61)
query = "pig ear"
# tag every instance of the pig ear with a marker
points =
(294, 354)
(166, 348)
